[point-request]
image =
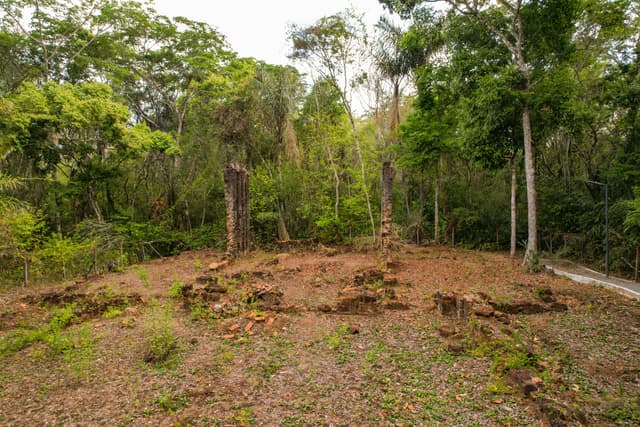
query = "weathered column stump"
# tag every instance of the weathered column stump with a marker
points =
(236, 197)
(386, 215)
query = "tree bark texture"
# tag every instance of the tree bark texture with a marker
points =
(236, 198)
(530, 173)
(514, 184)
(26, 272)
(436, 212)
(386, 210)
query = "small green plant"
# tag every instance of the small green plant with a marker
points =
(112, 312)
(175, 290)
(143, 275)
(79, 354)
(232, 286)
(372, 355)
(220, 360)
(161, 343)
(498, 386)
(199, 311)
(168, 401)
(197, 264)
(244, 417)
(339, 344)
(375, 286)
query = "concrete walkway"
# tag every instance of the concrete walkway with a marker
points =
(582, 274)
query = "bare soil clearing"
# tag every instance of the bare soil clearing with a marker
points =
(443, 337)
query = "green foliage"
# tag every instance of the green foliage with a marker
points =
(112, 312)
(65, 253)
(74, 345)
(169, 401)
(244, 417)
(632, 219)
(175, 290)
(21, 232)
(339, 344)
(135, 165)
(330, 229)
(622, 412)
(161, 344)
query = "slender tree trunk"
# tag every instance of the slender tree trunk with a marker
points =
(436, 211)
(283, 233)
(386, 211)
(395, 111)
(26, 271)
(514, 183)
(187, 215)
(420, 208)
(513, 38)
(336, 178)
(94, 204)
(530, 174)
(57, 213)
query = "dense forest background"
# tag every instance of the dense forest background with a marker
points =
(116, 124)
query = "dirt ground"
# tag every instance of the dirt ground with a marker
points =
(442, 336)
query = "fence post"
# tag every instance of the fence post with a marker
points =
(453, 236)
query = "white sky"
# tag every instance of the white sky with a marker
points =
(258, 28)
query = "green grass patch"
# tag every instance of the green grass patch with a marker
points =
(76, 347)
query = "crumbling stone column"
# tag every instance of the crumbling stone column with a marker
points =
(236, 197)
(386, 210)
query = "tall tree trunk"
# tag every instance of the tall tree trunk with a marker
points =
(513, 38)
(530, 174)
(386, 211)
(93, 201)
(336, 177)
(236, 197)
(283, 233)
(436, 211)
(395, 111)
(57, 213)
(514, 183)
(26, 271)
(420, 208)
